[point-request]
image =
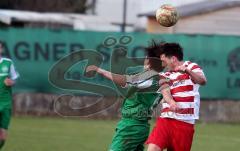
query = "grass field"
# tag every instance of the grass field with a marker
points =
(55, 134)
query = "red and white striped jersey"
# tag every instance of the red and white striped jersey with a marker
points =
(185, 93)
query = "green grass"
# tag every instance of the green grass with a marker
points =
(55, 134)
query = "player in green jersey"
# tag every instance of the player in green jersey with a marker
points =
(8, 75)
(146, 90)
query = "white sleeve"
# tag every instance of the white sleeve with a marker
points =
(141, 80)
(13, 73)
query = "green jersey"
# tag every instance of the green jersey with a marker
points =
(7, 70)
(143, 95)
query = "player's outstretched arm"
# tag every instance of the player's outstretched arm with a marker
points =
(116, 78)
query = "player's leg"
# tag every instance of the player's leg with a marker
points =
(153, 147)
(182, 136)
(137, 135)
(118, 138)
(5, 116)
(159, 137)
(130, 135)
(3, 137)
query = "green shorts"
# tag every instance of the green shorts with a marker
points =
(5, 117)
(130, 135)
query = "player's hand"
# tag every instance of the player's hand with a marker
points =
(181, 68)
(8, 82)
(91, 68)
(173, 105)
(91, 71)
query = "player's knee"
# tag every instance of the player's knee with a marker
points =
(3, 134)
(153, 147)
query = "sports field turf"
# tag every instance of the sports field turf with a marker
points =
(59, 134)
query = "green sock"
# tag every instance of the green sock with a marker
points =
(2, 142)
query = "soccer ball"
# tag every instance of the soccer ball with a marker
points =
(167, 15)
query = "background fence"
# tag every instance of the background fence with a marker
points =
(35, 51)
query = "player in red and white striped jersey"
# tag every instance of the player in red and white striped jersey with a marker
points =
(174, 129)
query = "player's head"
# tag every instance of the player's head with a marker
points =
(153, 52)
(171, 54)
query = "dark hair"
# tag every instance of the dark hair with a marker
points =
(172, 49)
(153, 52)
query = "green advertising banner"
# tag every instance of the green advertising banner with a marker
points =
(36, 51)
